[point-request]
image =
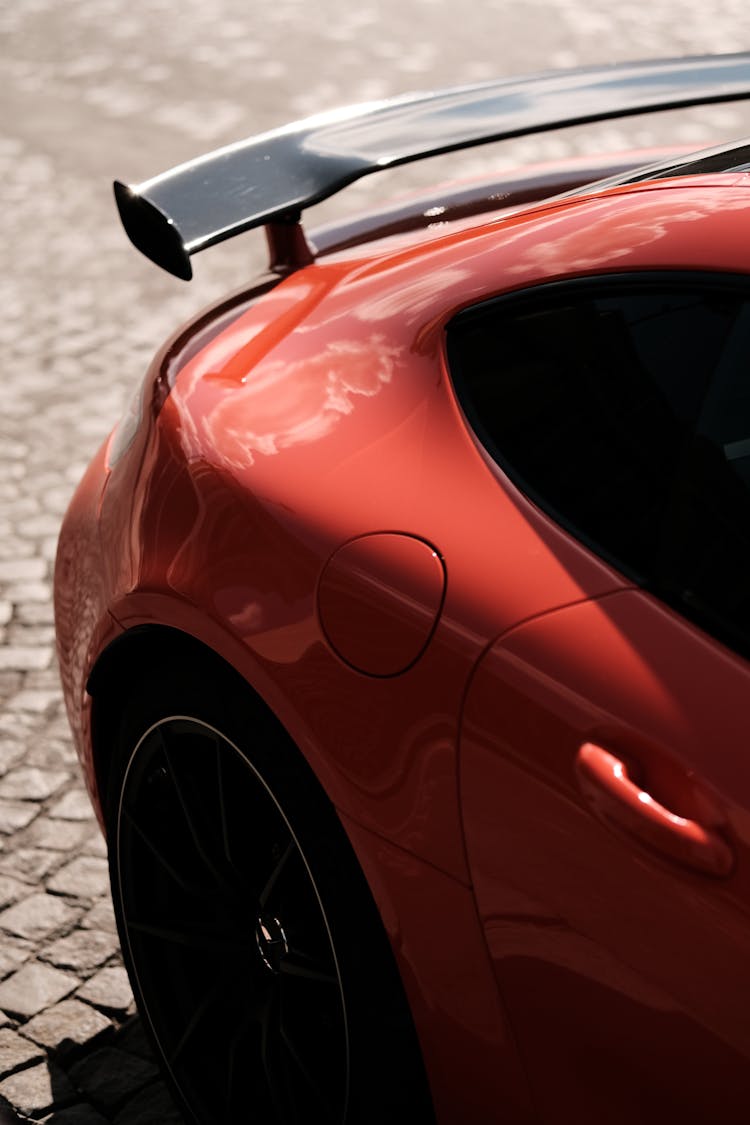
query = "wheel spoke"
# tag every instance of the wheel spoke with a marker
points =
(223, 816)
(272, 1067)
(299, 955)
(235, 1066)
(267, 891)
(189, 820)
(310, 1083)
(306, 972)
(189, 887)
(192, 939)
(194, 1023)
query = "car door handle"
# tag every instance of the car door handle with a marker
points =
(618, 800)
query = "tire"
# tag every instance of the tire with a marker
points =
(257, 957)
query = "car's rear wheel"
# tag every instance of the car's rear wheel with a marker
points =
(256, 954)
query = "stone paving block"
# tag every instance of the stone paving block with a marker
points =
(29, 591)
(12, 889)
(52, 754)
(82, 950)
(43, 636)
(31, 864)
(16, 1052)
(16, 657)
(67, 1025)
(11, 752)
(37, 916)
(17, 508)
(75, 805)
(86, 877)
(95, 845)
(36, 701)
(35, 613)
(36, 527)
(109, 1077)
(25, 635)
(37, 1090)
(34, 988)
(10, 683)
(152, 1106)
(108, 989)
(56, 727)
(64, 835)
(12, 955)
(32, 784)
(15, 815)
(14, 549)
(16, 728)
(100, 917)
(22, 570)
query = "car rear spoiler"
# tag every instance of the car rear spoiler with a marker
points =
(271, 178)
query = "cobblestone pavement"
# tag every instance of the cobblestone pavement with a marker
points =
(97, 88)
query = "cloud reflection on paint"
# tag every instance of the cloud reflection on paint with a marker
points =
(611, 236)
(416, 297)
(285, 402)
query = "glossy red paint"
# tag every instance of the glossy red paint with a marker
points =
(320, 423)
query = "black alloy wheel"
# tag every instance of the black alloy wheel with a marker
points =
(226, 929)
(256, 955)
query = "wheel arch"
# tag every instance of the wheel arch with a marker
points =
(150, 648)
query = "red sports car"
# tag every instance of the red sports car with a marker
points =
(404, 626)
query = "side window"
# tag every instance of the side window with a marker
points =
(621, 406)
(704, 566)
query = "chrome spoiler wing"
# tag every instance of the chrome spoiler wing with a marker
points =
(271, 178)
